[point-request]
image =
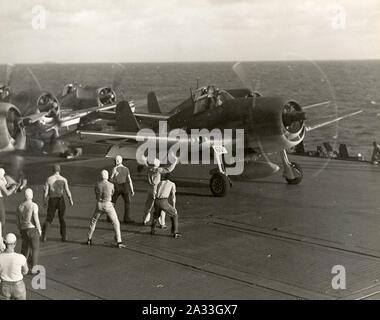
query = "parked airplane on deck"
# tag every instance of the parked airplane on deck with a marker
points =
(35, 118)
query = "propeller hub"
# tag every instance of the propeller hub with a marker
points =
(293, 117)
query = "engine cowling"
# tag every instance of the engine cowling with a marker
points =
(274, 124)
(106, 95)
(32, 102)
(12, 135)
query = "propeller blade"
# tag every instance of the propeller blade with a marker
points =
(316, 105)
(328, 122)
(118, 75)
(17, 166)
(240, 72)
(9, 74)
(34, 78)
(248, 119)
(21, 139)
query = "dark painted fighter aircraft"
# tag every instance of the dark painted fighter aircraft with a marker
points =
(270, 124)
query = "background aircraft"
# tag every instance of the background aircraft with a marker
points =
(34, 119)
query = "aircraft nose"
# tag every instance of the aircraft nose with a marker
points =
(289, 118)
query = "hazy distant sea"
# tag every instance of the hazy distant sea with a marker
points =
(350, 85)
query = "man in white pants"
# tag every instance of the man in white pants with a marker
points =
(104, 191)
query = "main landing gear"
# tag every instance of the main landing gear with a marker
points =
(292, 171)
(220, 183)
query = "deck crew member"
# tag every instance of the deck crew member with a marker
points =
(30, 228)
(13, 267)
(2, 245)
(154, 178)
(375, 153)
(123, 187)
(103, 192)
(165, 194)
(4, 191)
(55, 188)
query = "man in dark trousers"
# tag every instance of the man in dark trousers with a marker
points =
(154, 178)
(121, 178)
(30, 228)
(55, 188)
(165, 194)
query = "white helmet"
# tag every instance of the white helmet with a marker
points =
(118, 159)
(156, 163)
(28, 193)
(104, 174)
(10, 238)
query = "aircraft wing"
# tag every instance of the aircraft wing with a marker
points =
(317, 125)
(34, 117)
(69, 117)
(137, 137)
(126, 143)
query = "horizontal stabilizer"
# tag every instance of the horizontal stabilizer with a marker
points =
(126, 151)
(152, 116)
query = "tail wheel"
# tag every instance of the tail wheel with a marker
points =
(297, 173)
(220, 184)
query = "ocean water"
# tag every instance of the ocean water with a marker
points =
(350, 85)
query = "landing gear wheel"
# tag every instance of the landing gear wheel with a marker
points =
(219, 184)
(297, 172)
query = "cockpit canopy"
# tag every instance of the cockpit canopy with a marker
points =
(209, 97)
(69, 87)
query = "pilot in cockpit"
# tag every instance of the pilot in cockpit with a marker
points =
(212, 97)
(4, 92)
(68, 88)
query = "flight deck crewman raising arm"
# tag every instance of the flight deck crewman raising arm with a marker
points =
(4, 191)
(55, 188)
(154, 178)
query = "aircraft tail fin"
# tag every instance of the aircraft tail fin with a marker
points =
(153, 105)
(125, 120)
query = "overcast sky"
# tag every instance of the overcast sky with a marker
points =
(189, 30)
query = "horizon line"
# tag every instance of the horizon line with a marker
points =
(194, 61)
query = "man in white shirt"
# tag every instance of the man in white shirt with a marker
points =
(103, 192)
(13, 267)
(165, 192)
